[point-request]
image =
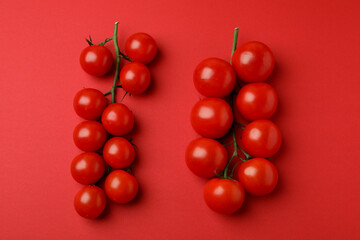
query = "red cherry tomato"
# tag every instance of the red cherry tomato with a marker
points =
(121, 187)
(214, 77)
(135, 78)
(89, 103)
(96, 60)
(211, 117)
(141, 47)
(117, 119)
(89, 136)
(253, 62)
(204, 156)
(87, 168)
(261, 138)
(224, 195)
(258, 176)
(118, 152)
(90, 202)
(257, 101)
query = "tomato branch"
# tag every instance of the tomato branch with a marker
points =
(233, 129)
(119, 55)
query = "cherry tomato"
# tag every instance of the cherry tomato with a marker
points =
(211, 117)
(118, 152)
(121, 187)
(135, 78)
(204, 156)
(141, 47)
(253, 62)
(89, 136)
(96, 60)
(224, 195)
(87, 168)
(214, 77)
(257, 101)
(258, 176)
(117, 119)
(90, 202)
(89, 103)
(261, 138)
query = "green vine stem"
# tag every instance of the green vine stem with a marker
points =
(119, 55)
(118, 59)
(235, 154)
(236, 145)
(106, 40)
(236, 34)
(112, 91)
(126, 57)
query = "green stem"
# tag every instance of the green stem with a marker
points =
(125, 57)
(119, 55)
(247, 156)
(233, 155)
(236, 34)
(116, 77)
(106, 40)
(236, 145)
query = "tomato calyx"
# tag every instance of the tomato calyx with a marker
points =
(89, 41)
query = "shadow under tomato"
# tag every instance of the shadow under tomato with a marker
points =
(106, 211)
(275, 75)
(157, 60)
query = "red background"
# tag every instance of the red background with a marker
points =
(317, 49)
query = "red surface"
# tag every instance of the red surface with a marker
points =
(316, 47)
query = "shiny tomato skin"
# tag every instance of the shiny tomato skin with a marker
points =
(261, 138)
(121, 187)
(224, 195)
(257, 101)
(141, 47)
(89, 136)
(211, 117)
(90, 202)
(135, 78)
(253, 62)
(96, 60)
(214, 77)
(118, 152)
(258, 176)
(117, 119)
(87, 168)
(204, 156)
(89, 103)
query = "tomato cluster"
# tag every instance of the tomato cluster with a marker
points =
(233, 154)
(108, 153)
